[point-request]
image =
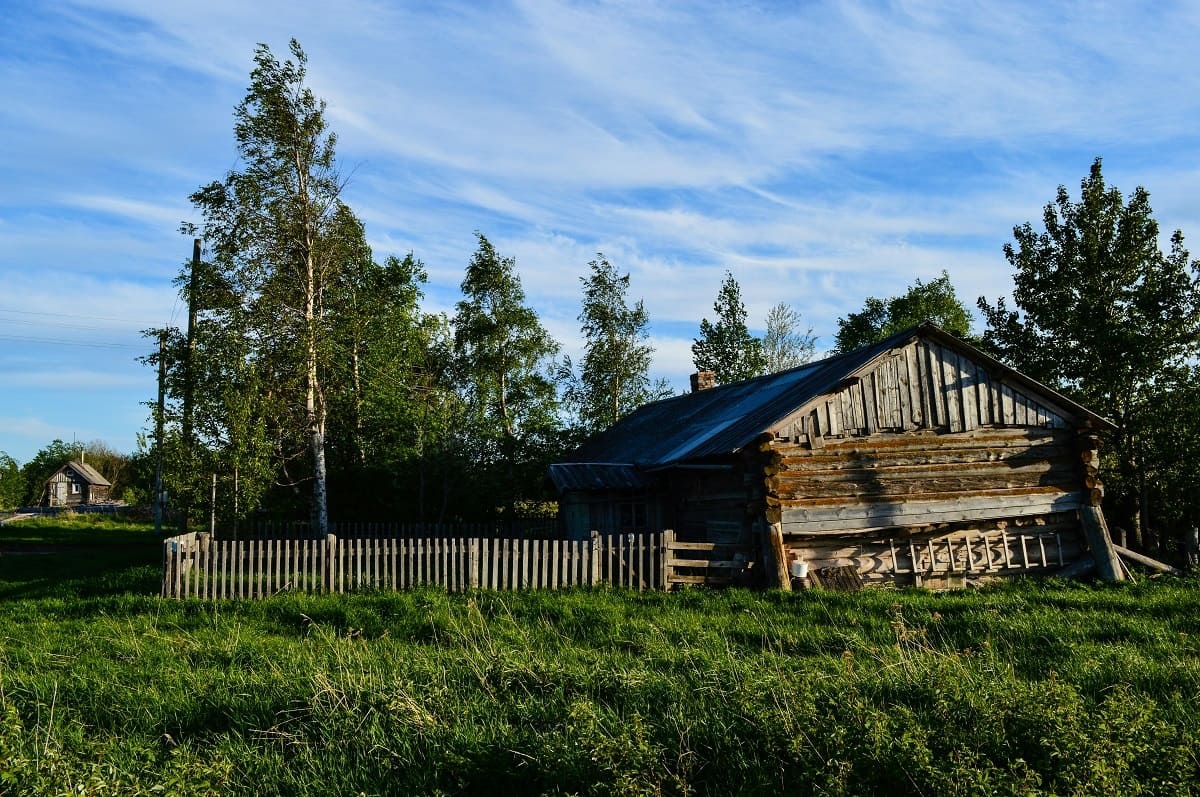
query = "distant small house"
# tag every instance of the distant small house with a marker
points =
(919, 459)
(75, 484)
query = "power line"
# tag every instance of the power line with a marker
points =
(69, 315)
(58, 324)
(60, 342)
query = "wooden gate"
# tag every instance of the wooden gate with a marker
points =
(712, 564)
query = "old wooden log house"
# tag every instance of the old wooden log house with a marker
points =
(76, 484)
(917, 460)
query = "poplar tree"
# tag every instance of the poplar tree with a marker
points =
(1104, 314)
(505, 361)
(614, 378)
(726, 347)
(933, 301)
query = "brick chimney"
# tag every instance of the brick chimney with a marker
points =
(703, 380)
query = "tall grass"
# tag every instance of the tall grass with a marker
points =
(1032, 688)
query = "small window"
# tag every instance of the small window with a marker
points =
(74, 488)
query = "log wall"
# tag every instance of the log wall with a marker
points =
(887, 481)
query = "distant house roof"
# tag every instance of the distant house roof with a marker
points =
(724, 419)
(89, 474)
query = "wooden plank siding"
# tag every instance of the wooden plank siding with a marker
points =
(923, 386)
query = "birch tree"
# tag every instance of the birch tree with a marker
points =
(786, 344)
(268, 225)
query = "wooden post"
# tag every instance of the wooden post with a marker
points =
(330, 563)
(167, 570)
(473, 563)
(594, 577)
(1193, 546)
(189, 376)
(1141, 559)
(666, 541)
(1108, 566)
(1096, 529)
(158, 432)
(776, 561)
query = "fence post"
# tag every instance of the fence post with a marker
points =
(167, 574)
(594, 578)
(330, 562)
(473, 563)
(204, 563)
(666, 542)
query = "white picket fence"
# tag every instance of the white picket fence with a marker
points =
(198, 566)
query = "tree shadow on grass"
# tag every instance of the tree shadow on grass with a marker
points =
(68, 573)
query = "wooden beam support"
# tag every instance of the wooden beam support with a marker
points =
(776, 559)
(1154, 564)
(1103, 550)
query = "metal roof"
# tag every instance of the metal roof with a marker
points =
(596, 476)
(723, 419)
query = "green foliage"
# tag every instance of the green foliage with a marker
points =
(614, 377)
(1106, 316)
(1169, 447)
(726, 347)
(109, 463)
(317, 380)
(12, 483)
(785, 345)
(397, 406)
(45, 462)
(505, 362)
(933, 301)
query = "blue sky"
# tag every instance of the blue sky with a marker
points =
(822, 151)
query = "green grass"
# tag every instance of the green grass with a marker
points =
(77, 530)
(1032, 688)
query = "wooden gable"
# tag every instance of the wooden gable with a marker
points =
(923, 385)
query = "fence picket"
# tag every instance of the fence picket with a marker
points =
(396, 557)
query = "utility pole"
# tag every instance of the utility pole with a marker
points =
(189, 377)
(158, 432)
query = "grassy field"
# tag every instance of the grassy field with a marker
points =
(1033, 688)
